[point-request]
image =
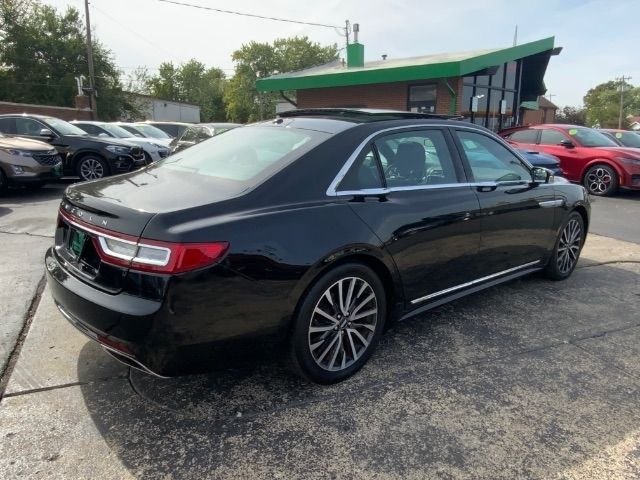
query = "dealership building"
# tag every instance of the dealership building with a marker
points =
(493, 88)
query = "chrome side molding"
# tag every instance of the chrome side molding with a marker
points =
(473, 282)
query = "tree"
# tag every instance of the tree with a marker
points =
(258, 60)
(41, 53)
(191, 82)
(572, 115)
(602, 104)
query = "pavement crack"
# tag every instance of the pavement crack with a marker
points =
(13, 356)
(27, 234)
(60, 386)
(610, 262)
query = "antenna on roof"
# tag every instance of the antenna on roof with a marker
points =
(515, 37)
(356, 29)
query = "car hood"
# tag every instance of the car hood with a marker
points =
(24, 144)
(623, 151)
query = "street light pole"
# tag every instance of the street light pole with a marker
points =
(622, 80)
(92, 76)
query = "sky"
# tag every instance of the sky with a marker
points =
(600, 38)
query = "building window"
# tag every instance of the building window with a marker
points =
(489, 100)
(422, 98)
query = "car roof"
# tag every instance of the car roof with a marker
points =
(362, 115)
(186, 124)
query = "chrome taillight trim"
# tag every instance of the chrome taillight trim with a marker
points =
(101, 236)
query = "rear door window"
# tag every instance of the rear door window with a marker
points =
(551, 137)
(529, 135)
(7, 125)
(415, 158)
(364, 173)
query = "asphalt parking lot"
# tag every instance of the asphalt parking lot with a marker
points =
(532, 379)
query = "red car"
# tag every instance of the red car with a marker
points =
(586, 155)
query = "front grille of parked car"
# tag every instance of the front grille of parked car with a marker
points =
(136, 151)
(47, 158)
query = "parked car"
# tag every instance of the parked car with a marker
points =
(586, 155)
(544, 160)
(624, 138)
(153, 150)
(142, 130)
(27, 162)
(309, 232)
(173, 129)
(198, 133)
(88, 157)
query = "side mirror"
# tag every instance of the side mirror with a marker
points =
(540, 175)
(567, 143)
(45, 132)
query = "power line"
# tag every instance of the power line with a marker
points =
(253, 15)
(131, 30)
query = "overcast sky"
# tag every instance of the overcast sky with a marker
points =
(601, 39)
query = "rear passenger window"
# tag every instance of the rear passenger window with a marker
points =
(363, 174)
(414, 158)
(7, 125)
(524, 136)
(551, 137)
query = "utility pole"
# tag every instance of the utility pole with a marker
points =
(92, 75)
(622, 80)
(347, 30)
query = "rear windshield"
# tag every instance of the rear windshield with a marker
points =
(589, 137)
(245, 156)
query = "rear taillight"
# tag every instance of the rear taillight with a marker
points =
(151, 255)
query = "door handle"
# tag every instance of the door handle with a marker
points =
(486, 187)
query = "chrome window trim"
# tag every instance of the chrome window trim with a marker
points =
(473, 282)
(332, 192)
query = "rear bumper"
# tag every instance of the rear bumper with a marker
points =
(190, 330)
(120, 323)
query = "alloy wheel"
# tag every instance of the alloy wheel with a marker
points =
(599, 180)
(343, 323)
(569, 246)
(91, 169)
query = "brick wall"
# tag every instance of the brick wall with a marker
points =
(536, 117)
(380, 95)
(64, 113)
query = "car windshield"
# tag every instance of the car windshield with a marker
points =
(116, 131)
(589, 137)
(64, 128)
(628, 139)
(245, 156)
(150, 131)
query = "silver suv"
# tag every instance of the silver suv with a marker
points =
(27, 162)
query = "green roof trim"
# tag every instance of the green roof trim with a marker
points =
(530, 105)
(398, 70)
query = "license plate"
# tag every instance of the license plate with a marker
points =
(76, 242)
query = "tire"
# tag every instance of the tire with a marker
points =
(567, 248)
(338, 346)
(4, 183)
(92, 168)
(601, 180)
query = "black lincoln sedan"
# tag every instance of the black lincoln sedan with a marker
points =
(307, 233)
